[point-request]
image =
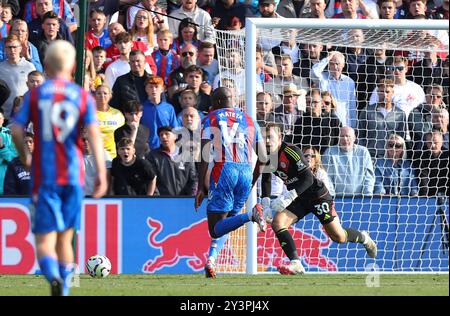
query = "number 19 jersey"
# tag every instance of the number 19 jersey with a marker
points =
(58, 109)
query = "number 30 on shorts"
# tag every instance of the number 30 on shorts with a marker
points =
(322, 208)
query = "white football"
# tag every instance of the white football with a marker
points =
(98, 266)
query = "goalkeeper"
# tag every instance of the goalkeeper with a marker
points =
(305, 194)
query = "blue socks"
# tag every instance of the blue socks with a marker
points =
(216, 246)
(49, 268)
(66, 271)
(230, 223)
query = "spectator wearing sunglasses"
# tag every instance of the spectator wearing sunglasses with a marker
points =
(312, 155)
(381, 119)
(177, 79)
(407, 94)
(393, 172)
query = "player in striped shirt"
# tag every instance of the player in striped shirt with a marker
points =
(58, 109)
(230, 135)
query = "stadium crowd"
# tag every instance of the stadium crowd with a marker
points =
(370, 121)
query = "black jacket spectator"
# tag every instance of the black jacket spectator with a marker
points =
(141, 143)
(131, 180)
(128, 87)
(320, 132)
(173, 178)
(17, 179)
(237, 9)
(203, 102)
(432, 172)
(42, 44)
(35, 31)
(426, 74)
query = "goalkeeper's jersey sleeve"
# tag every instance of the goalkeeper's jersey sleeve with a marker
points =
(296, 174)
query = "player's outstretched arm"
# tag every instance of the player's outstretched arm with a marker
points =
(95, 141)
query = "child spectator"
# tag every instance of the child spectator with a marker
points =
(99, 54)
(132, 128)
(188, 99)
(166, 59)
(6, 14)
(4, 27)
(157, 113)
(131, 175)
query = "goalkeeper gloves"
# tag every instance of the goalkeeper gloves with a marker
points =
(283, 201)
(265, 203)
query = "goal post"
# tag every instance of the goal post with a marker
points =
(404, 234)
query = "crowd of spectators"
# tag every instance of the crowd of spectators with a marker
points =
(369, 121)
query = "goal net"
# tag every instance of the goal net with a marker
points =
(386, 83)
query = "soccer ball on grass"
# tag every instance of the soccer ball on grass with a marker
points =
(98, 266)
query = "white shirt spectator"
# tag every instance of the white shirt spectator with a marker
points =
(16, 77)
(406, 97)
(343, 91)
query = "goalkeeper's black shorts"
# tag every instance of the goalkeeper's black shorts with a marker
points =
(322, 208)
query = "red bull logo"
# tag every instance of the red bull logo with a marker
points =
(190, 243)
(309, 248)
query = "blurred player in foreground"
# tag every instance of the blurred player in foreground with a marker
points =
(232, 135)
(58, 109)
(305, 194)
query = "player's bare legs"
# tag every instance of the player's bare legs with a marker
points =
(48, 261)
(343, 235)
(280, 224)
(65, 257)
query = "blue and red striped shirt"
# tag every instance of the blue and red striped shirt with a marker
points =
(58, 109)
(60, 7)
(166, 63)
(233, 134)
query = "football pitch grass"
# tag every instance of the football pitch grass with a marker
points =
(236, 285)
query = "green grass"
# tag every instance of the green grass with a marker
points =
(234, 285)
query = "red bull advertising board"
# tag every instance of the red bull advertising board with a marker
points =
(166, 235)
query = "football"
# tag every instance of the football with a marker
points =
(98, 266)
